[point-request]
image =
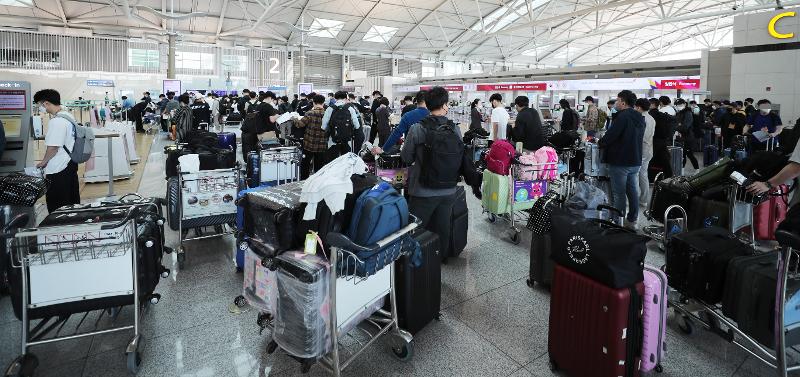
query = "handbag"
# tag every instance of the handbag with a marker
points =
(22, 190)
(539, 218)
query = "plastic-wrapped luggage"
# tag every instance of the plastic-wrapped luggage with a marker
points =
(654, 319)
(272, 216)
(302, 322)
(697, 262)
(576, 344)
(593, 165)
(260, 286)
(496, 194)
(227, 140)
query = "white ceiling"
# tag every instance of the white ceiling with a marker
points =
(546, 32)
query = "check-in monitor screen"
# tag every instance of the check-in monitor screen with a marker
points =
(12, 100)
(546, 113)
(12, 125)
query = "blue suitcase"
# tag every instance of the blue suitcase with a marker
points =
(710, 155)
(227, 140)
(738, 156)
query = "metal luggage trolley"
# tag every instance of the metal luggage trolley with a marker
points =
(75, 269)
(354, 287)
(206, 198)
(690, 311)
(280, 164)
(391, 169)
(522, 195)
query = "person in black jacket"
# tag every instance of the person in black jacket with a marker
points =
(294, 103)
(686, 129)
(569, 117)
(376, 102)
(201, 113)
(408, 101)
(243, 100)
(622, 144)
(528, 126)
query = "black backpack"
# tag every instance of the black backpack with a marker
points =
(340, 126)
(443, 151)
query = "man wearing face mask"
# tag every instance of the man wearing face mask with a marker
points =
(57, 164)
(764, 120)
(662, 138)
(686, 129)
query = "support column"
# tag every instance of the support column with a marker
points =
(171, 57)
(302, 76)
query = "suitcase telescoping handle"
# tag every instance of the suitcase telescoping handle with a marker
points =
(345, 243)
(17, 222)
(787, 238)
(133, 211)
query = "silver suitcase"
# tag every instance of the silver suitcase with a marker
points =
(593, 165)
(676, 160)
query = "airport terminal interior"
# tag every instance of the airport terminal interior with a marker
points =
(234, 188)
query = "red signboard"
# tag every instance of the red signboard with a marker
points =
(688, 84)
(449, 88)
(536, 87)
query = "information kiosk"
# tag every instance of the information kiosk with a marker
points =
(15, 113)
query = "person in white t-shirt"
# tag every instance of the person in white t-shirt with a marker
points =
(58, 166)
(499, 118)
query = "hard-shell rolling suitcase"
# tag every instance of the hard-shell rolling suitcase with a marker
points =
(732, 300)
(676, 160)
(419, 289)
(577, 344)
(593, 165)
(542, 266)
(697, 262)
(654, 319)
(227, 140)
(710, 155)
(735, 154)
(667, 192)
(459, 225)
(241, 238)
(272, 216)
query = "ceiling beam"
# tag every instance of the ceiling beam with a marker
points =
(576, 13)
(61, 12)
(222, 16)
(364, 17)
(419, 23)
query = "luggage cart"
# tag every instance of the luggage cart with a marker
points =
(521, 197)
(354, 288)
(206, 198)
(710, 316)
(279, 165)
(87, 267)
(391, 169)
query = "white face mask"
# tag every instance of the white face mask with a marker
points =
(765, 111)
(696, 110)
(680, 107)
(42, 109)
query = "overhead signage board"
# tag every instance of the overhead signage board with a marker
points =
(528, 87)
(449, 88)
(102, 83)
(305, 87)
(173, 86)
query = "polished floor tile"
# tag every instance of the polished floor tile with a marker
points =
(492, 323)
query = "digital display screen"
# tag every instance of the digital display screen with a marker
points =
(12, 125)
(13, 100)
(172, 86)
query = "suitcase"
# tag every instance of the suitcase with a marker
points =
(667, 192)
(697, 262)
(769, 214)
(272, 217)
(542, 266)
(736, 154)
(710, 155)
(734, 276)
(593, 165)
(260, 284)
(755, 301)
(459, 224)
(7, 214)
(419, 289)
(577, 344)
(676, 160)
(212, 158)
(227, 140)
(496, 194)
(705, 213)
(654, 319)
(302, 322)
(240, 250)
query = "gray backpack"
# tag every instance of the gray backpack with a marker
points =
(84, 141)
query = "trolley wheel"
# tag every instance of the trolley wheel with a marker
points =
(263, 320)
(552, 364)
(516, 238)
(271, 347)
(240, 301)
(23, 366)
(405, 351)
(239, 270)
(659, 368)
(165, 273)
(155, 298)
(492, 218)
(686, 325)
(134, 362)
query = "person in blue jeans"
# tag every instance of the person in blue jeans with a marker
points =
(622, 144)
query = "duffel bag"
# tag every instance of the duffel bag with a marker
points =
(22, 190)
(598, 249)
(378, 212)
(197, 138)
(667, 192)
(712, 175)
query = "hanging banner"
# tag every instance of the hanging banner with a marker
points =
(449, 88)
(531, 87)
(687, 84)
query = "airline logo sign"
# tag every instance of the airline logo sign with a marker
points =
(449, 88)
(686, 84)
(774, 21)
(532, 87)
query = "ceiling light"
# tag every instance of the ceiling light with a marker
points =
(325, 28)
(380, 34)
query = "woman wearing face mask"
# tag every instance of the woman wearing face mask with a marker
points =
(476, 118)
(685, 127)
(764, 120)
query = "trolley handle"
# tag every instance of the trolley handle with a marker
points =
(787, 238)
(341, 241)
(133, 211)
(17, 222)
(133, 194)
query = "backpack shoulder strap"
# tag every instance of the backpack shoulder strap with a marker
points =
(74, 130)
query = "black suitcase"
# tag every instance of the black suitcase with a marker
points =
(212, 158)
(667, 192)
(705, 213)
(542, 266)
(732, 297)
(697, 262)
(459, 224)
(272, 217)
(419, 289)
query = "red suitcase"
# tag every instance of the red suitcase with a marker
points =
(594, 330)
(767, 215)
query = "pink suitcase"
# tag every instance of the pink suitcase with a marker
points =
(654, 319)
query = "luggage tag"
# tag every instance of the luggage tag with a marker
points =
(310, 243)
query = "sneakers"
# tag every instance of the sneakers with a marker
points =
(629, 224)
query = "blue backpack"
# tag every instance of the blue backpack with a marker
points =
(379, 212)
